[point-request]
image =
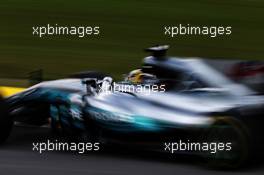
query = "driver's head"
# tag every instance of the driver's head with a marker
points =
(135, 76)
(138, 76)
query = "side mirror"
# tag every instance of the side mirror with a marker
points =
(90, 83)
(106, 84)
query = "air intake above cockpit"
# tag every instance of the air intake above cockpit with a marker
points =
(158, 52)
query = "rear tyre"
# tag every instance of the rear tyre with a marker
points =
(6, 122)
(226, 130)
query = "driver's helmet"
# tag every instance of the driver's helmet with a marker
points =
(138, 76)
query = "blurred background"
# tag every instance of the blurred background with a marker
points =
(126, 27)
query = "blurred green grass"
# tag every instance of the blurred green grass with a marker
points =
(126, 27)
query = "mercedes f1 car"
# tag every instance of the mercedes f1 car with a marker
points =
(199, 106)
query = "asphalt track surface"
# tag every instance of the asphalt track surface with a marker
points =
(17, 158)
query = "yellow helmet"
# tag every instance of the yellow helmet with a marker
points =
(135, 76)
(138, 76)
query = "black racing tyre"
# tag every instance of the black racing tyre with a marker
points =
(90, 74)
(6, 122)
(227, 130)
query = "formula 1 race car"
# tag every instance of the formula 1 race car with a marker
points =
(201, 108)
